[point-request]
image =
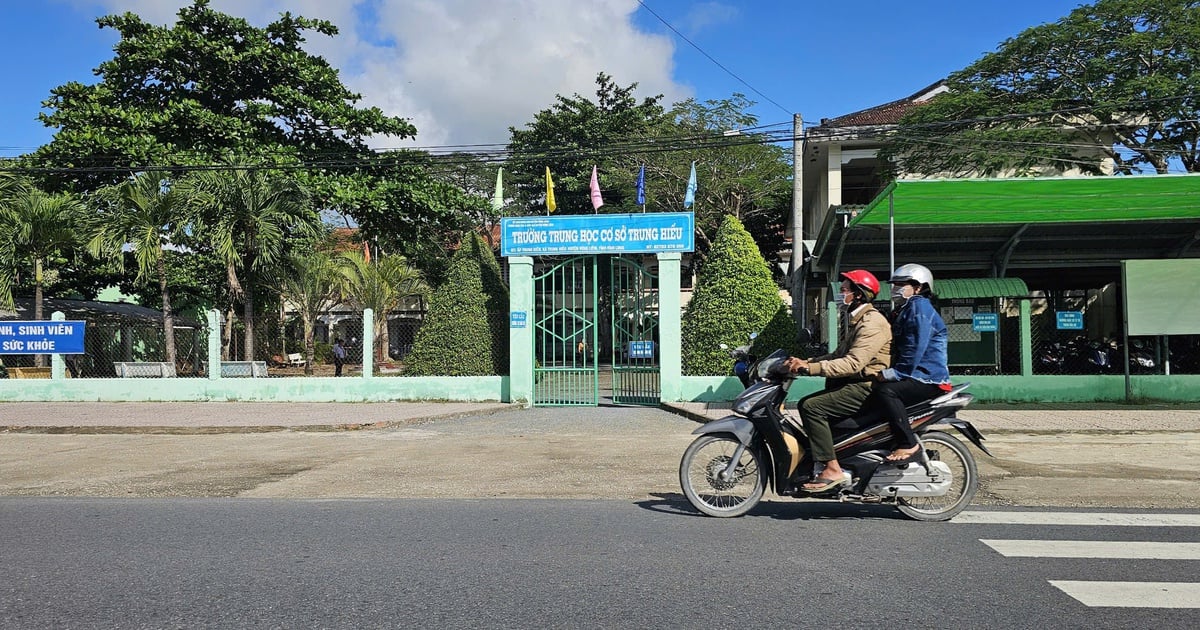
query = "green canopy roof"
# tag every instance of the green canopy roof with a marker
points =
(1035, 200)
(979, 288)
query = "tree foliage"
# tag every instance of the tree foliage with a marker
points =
(455, 339)
(737, 175)
(570, 137)
(204, 88)
(382, 285)
(734, 296)
(1112, 79)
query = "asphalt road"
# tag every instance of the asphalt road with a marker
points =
(235, 563)
(592, 453)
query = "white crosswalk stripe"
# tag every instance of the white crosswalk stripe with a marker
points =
(1095, 593)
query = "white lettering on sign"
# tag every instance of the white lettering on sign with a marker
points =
(672, 233)
(31, 330)
(13, 345)
(529, 236)
(7, 330)
(44, 344)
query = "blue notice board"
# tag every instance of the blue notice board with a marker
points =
(641, 349)
(41, 337)
(653, 232)
(1068, 320)
(985, 322)
(516, 319)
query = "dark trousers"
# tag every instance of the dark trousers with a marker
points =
(818, 410)
(337, 366)
(891, 397)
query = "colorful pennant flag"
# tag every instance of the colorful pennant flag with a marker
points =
(597, 200)
(498, 197)
(690, 197)
(641, 186)
(550, 205)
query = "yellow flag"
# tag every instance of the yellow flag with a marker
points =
(550, 205)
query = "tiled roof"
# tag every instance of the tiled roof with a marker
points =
(886, 114)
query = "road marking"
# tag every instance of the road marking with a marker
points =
(1095, 549)
(1132, 594)
(1078, 518)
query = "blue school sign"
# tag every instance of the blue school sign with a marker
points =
(656, 232)
(41, 337)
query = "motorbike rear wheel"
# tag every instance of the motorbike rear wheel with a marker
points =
(964, 480)
(699, 471)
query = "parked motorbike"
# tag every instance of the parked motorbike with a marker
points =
(742, 360)
(727, 469)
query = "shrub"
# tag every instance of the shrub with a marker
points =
(496, 293)
(455, 339)
(734, 297)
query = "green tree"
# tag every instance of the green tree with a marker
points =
(204, 88)
(382, 285)
(734, 296)
(455, 339)
(739, 174)
(496, 292)
(310, 282)
(572, 136)
(36, 230)
(1114, 79)
(248, 214)
(152, 214)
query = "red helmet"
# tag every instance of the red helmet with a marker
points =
(865, 281)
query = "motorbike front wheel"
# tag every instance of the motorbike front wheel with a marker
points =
(964, 480)
(700, 475)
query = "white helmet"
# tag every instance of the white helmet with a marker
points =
(913, 273)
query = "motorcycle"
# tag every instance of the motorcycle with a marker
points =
(727, 469)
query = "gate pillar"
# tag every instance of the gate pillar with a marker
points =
(670, 328)
(520, 329)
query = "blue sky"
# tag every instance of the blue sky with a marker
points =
(465, 70)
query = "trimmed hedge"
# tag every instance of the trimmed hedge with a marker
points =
(455, 339)
(734, 296)
(496, 293)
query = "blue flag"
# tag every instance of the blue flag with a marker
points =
(641, 187)
(690, 197)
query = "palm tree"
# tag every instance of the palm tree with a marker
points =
(309, 283)
(151, 214)
(380, 285)
(35, 228)
(248, 213)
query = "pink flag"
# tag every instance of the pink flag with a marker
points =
(597, 200)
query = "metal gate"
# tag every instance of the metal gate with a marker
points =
(635, 339)
(564, 334)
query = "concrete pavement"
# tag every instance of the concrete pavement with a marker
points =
(1102, 457)
(180, 417)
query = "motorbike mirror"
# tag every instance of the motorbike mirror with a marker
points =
(724, 347)
(753, 336)
(804, 336)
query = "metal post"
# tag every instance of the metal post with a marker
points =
(368, 344)
(891, 232)
(57, 364)
(797, 260)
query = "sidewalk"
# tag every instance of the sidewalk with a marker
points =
(1024, 417)
(231, 416)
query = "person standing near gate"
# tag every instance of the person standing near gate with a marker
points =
(339, 356)
(582, 351)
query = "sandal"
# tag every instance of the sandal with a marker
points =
(825, 485)
(906, 459)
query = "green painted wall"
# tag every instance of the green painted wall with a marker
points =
(287, 389)
(1174, 388)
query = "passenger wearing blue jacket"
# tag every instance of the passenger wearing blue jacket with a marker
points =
(919, 371)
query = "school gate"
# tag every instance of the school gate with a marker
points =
(594, 313)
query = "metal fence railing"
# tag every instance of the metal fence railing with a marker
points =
(138, 349)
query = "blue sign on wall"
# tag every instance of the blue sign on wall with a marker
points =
(985, 322)
(641, 349)
(653, 232)
(41, 337)
(1068, 320)
(516, 319)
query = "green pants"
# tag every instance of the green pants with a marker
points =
(818, 410)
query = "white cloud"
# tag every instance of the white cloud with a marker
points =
(463, 71)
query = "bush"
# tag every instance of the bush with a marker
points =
(780, 332)
(455, 339)
(734, 296)
(496, 293)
